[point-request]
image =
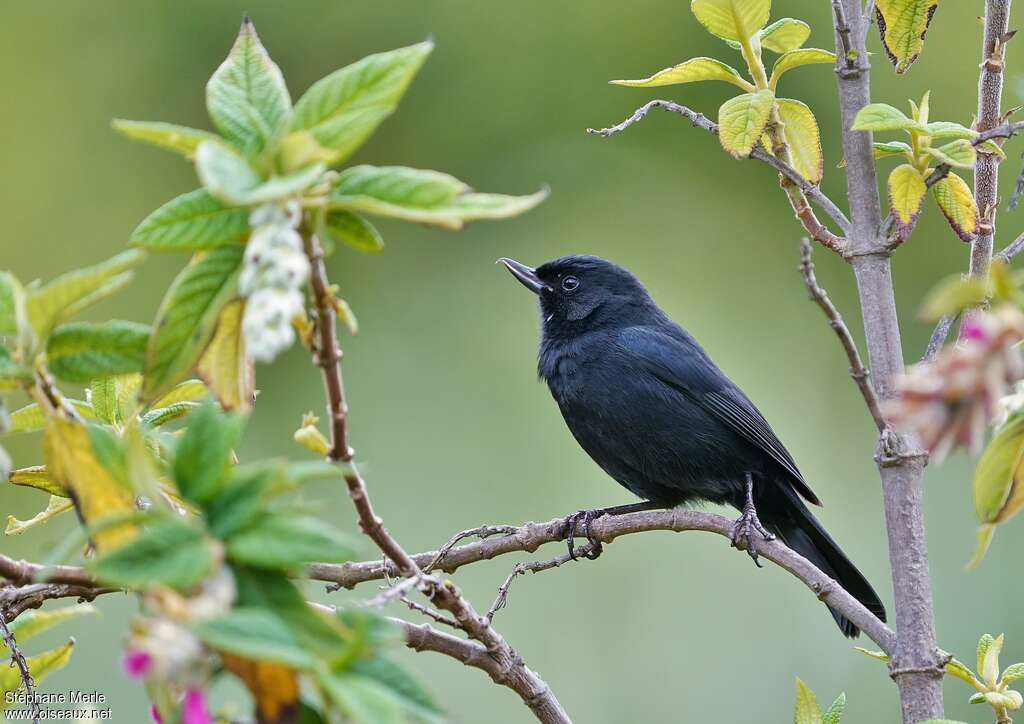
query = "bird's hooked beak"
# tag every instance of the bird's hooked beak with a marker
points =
(527, 276)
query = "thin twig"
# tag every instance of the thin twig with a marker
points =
(429, 612)
(843, 29)
(814, 227)
(1011, 250)
(858, 371)
(519, 569)
(939, 336)
(482, 532)
(18, 659)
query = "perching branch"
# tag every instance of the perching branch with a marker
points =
(533, 690)
(530, 536)
(858, 371)
(18, 659)
(799, 195)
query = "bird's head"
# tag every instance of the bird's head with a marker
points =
(578, 293)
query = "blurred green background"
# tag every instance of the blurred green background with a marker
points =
(447, 415)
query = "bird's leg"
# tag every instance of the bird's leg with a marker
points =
(748, 522)
(583, 518)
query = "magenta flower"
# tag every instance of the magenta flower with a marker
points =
(155, 715)
(136, 663)
(194, 711)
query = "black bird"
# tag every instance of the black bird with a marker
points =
(650, 407)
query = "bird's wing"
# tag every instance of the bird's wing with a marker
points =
(677, 360)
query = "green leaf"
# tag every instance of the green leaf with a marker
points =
(785, 35)
(187, 391)
(991, 147)
(229, 177)
(883, 117)
(880, 655)
(952, 296)
(427, 197)
(239, 503)
(362, 699)
(12, 374)
(191, 222)
(343, 109)
(255, 633)
(902, 25)
(835, 711)
(796, 58)
(40, 667)
(203, 455)
(104, 398)
(892, 148)
(691, 71)
(405, 689)
(246, 97)
(735, 20)
(806, 709)
(33, 623)
(959, 670)
(353, 230)
(55, 506)
(82, 351)
(1012, 673)
(906, 194)
(959, 153)
(996, 495)
(948, 129)
(70, 293)
(37, 477)
(30, 418)
(13, 319)
(169, 551)
(742, 120)
(956, 201)
(803, 138)
(159, 416)
(168, 136)
(288, 541)
(187, 318)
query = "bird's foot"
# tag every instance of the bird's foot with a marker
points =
(744, 529)
(581, 520)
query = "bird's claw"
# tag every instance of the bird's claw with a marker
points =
(744, 529)
(582, 519)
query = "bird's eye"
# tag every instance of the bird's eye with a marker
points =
(570, 284)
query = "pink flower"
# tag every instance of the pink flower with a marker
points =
(155, 715)
(194, 711)
(136, 663)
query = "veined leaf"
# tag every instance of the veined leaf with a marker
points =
(785, 35)
(691, 71)
(30, 418)
(37, 477)
(187, 318)
(835, 711)
(892, 148)
(734, 20)
(427, 197)
(1014, 672)
(956, 200)
(806, 709)
(246, 97)
(229, 177)
(13, 318)
(103, 398)
(40, 667)
(795, 58)
(74, 465)
(255, 633)
(82, 351)
(902, 25)
(168, 136)
(203, 456)
(287, 541)
(353, 230)
(187, 391)
(63, 297)
(192, 221)
(959, 153)
(363, 700)
(883, 117)
(55, 506)
(906, 194)
(741, 121)
(343, 109)
(948, 129)
(413, 697)
(226, 366)
(33, 623)
(803, 138)
(168, 552)
(157, 416)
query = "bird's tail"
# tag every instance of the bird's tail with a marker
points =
(802, 532)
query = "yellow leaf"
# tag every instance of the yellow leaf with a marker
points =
(55, 507)
(741, 121)
(806, 710)
(906, 192)
(73, 464)
(803, 138)
(310, 437)
(690, 71)
(187, 391)
(732, 19)
(785, 35)
(796, 58)
(40, 667)
(274, 687)
(902, 25)
(37, 477)
(226, 366)
(956, 200)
